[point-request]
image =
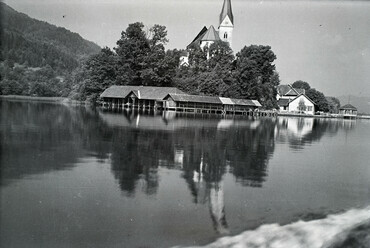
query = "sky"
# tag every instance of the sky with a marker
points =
(325, 43)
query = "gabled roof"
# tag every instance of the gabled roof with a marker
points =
(348, 107)
(284, 102)
(304, 96)
(226, 11)
(142, 92)
(211, 35)
(288, 90)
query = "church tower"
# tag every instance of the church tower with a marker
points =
(226, 27)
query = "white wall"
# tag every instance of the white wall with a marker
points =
(294, 105)
(226, 27)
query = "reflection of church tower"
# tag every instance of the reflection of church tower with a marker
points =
(226, 27)
(217, 209)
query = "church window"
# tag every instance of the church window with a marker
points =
(225, 35)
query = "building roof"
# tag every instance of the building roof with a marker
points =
(195, 98)
(211, 35)
(199, 37)
(288, 90)
(243, 102)
(300, 91)
(226, 11)
(226, 100)
(348, 107)
(305, 97)
(257, 103)
(142, 92)
(283, 102)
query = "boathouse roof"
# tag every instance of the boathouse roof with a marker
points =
(214, 100)
(195, 98)
(348, 107)
(142, 92)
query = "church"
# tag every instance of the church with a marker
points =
(207, 36)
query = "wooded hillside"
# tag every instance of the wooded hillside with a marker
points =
(29, 46)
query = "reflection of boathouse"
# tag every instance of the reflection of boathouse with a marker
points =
(348, 111)
(170, 98)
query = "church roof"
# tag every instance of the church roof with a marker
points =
(199, 37)
(210, 35)
(226, 11)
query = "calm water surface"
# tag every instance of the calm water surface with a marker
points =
(79, 177)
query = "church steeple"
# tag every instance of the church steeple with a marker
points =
(226, 11)
(226, 27)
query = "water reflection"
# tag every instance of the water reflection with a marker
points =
(41, 138)
(300, 132)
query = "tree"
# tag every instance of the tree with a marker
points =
(142, 59)
(220, 54)
(255, 75)
(334, 104)
(132, 49)
(301, 85)
(319, 99)
(96, 74)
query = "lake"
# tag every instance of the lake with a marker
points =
(83, 177)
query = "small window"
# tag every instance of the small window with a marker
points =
(225, 35)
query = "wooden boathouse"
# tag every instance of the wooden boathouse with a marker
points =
(136, 97)
(348, 111)
(173, 99)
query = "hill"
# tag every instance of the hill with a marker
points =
(35, 51)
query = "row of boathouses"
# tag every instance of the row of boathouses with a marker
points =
(171, 98)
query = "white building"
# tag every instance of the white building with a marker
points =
(294, 100)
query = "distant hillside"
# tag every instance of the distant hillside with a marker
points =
(38, 43)
(36, 56)
(361, 103)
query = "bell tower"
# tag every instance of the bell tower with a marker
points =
(226, 27)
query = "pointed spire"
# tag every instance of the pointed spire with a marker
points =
(226, 11)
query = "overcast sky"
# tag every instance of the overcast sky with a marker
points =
(325, 43)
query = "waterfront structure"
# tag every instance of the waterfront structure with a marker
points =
(294, 100)
(144, 97)
(348, 111)
(173, 99)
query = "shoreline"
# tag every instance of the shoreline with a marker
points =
(66, 100)
(62, 100)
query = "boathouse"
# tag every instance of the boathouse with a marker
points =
(193, 103)
(348, 111)
(209, 104)
(146, 97)
(170, 98)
